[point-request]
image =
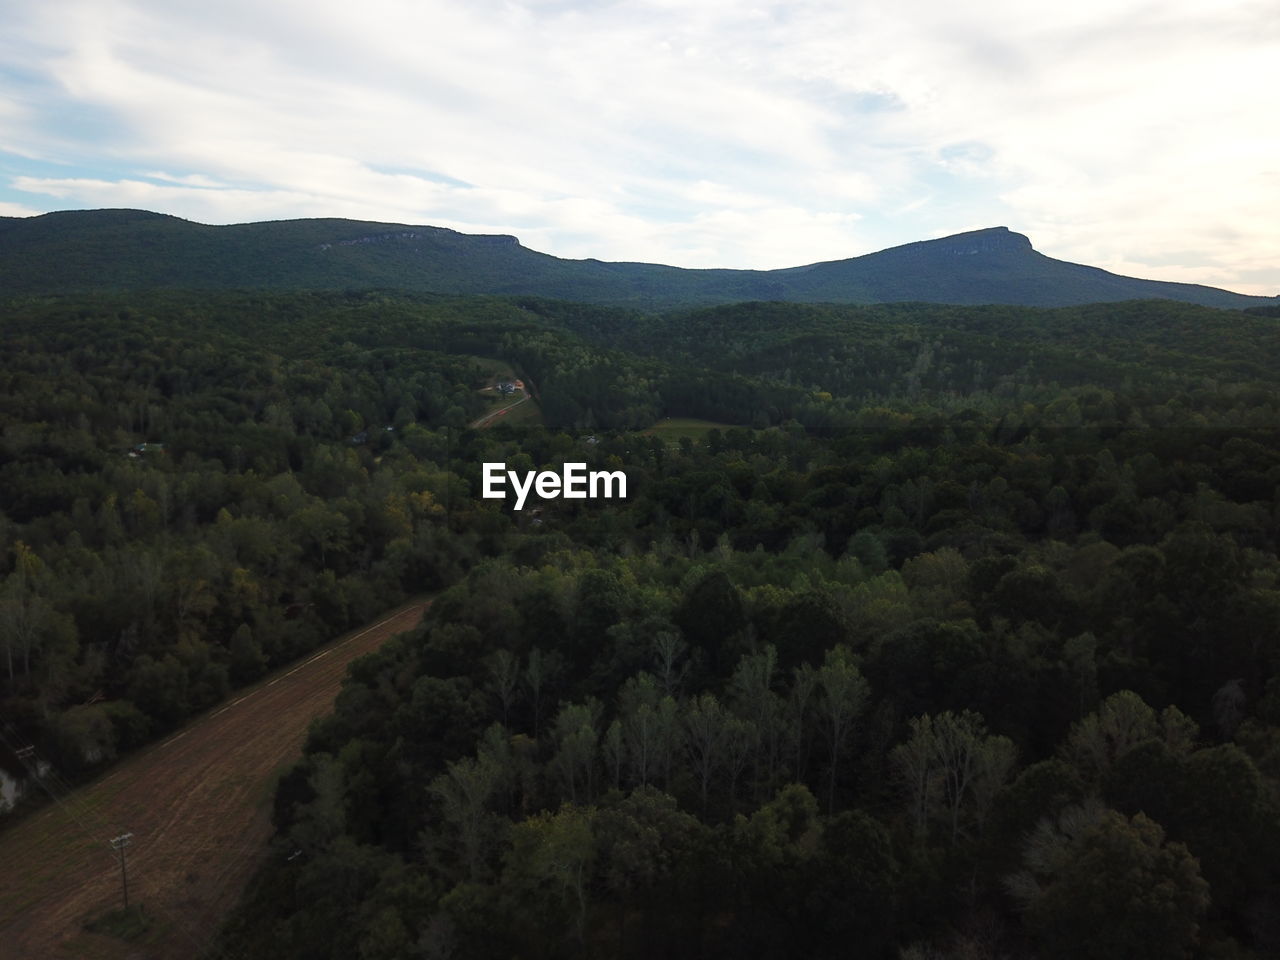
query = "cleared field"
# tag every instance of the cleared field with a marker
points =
(198, 806)
(672, 429)
(522, 410)
(517, 408)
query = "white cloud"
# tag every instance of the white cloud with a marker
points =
(1138, 138)
(16, 210)
(191, 180)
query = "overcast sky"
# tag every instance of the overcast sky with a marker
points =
(1140, 137)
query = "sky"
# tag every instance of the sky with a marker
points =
(1141, 137)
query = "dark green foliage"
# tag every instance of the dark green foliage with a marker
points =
(120, 249)
(131, 924)
(1116, 890)
(185, 509)
(854, 898)
(808, 690)
(710, 616)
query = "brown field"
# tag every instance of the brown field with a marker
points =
(198, 805)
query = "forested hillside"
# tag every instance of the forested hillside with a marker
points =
(190, 499)
(957, 637)
(81, 251)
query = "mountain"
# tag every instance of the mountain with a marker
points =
(88, 250)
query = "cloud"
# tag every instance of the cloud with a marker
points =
(712, 134)
(16, 210)
(191, 180)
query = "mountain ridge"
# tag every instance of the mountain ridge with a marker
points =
(115, 249)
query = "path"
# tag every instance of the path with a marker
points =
(199, 807)
(488, 418)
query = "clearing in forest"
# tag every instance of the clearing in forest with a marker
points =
(510, 399)
(672, 429)
(199, 807)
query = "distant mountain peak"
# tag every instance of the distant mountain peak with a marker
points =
(986, 240)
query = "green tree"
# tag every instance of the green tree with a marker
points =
(465, 792)
(557, 851)
(643, 843)
(710, 613)
(1122, 721)
(856, 876)
(248, 662)
(1098, 884)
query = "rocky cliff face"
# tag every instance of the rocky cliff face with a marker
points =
(990, 240)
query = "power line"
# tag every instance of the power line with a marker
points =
(45, 774)
(118, 844)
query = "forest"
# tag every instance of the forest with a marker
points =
(955, 632)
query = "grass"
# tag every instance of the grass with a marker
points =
(131, 924)
(495, 400)
(522, 414)
(526, 414)
(673, 429)
(47, 836)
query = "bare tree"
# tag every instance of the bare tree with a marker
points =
(842, 696)
(504, 679)
(615, 751)
(706, 731)
(536, 674)
(575, 735)
(742, 736)
(671, 654)
(751, 688)
(24, 614)
(799, 705)
(464, 792)
(952, 769)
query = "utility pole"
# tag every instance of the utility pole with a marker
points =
(118, 844)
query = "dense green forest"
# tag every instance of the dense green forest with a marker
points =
(958, 638)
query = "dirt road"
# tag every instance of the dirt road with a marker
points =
(489, 418)
(198, 805)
